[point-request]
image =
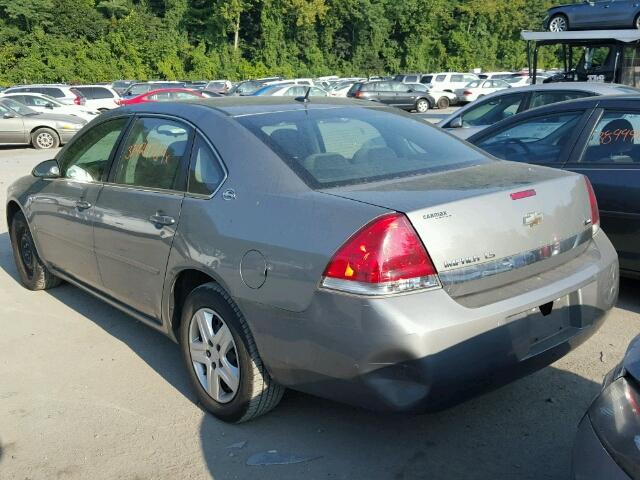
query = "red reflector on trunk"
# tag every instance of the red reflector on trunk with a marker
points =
(523, 194)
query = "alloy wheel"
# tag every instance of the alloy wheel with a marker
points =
(214, 355)
(558, 24)
(422, 106)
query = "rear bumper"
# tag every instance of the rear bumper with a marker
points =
(425, 351)
(590, 459)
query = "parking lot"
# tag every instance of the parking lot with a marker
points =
(87, 392)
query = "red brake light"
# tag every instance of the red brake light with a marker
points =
(78, 100)
(523, 194)
(467, 92)
(593, 202)
(385, 256)
(358, 94)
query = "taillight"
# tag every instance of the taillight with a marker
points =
(467, 92)
(358, 94)
(384, 257)
(79, 100)
(593, 202)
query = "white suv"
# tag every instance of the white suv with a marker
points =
(99, 97)
(62, 93)
(450, 81)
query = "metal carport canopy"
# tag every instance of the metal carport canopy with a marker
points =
(624, 36)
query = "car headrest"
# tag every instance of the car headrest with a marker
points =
(611, 133)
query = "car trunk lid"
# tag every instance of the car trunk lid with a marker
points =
(483, 224)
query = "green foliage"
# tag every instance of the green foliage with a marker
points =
(101, 40)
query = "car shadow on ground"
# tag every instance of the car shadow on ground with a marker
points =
(521, 431)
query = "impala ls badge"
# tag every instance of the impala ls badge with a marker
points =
(532, 219)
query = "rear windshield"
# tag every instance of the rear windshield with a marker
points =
(333, 147)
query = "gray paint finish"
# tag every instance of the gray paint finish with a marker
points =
(399, 352)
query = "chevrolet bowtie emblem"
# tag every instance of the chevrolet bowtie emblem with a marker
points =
(532, 219)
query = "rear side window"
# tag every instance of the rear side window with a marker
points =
(87, 157)
(546, 98)
(411, 79)
(441, 78)
(615, 140)
(458, 78)
(52, 92)
(345, 146)
(153, 153)
(538, 140)
(426, 79)
(94, 93)
(205, 172)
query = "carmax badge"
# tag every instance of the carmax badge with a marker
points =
(532, 219)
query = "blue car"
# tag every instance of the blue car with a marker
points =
(594, 15)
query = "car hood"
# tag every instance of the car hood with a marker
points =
(631, 360)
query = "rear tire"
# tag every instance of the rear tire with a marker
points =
(443, 103)
(636, 22)
(559, 23)
(422, 105)
(45, 138)
(34, 275)
(222, 359)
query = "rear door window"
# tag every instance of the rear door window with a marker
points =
(154, 154)
(52, 92)
(615, 140)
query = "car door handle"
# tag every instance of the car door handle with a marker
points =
(83, 205)
(159, 219)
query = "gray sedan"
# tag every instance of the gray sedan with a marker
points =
(336, 247)
(21, 125)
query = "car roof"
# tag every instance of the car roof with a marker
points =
(168, 90)
(250, 105)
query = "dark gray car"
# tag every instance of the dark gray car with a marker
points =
(336, 247)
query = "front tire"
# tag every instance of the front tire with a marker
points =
(422, 105)
(222, 359)
(558, 23)
(636, 22)
(45, 138)
(34, 275)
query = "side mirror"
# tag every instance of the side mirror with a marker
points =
(411, 90)
(46, 169)
(50, 105)
(8, 115)
(456, 123)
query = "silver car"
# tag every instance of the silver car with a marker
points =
(337, 247)
(21, 125)
(498, 106)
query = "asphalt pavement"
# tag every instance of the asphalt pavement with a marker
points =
(86, 392)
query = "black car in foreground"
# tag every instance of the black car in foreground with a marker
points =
(607, 445)
(396, 94)
(598, 137)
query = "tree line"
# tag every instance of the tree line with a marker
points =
(103, 40)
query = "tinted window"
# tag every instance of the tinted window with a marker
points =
(615, 140)
(426, 79)
(87, 158)
(545, 98)
(537, 140)
(411, 79)
(94, 92)
(492, 111)
(153, 153)
(343, 146)
(205, 173)
(441, 78)
(53, 92)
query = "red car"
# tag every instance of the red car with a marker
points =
(163, 95)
